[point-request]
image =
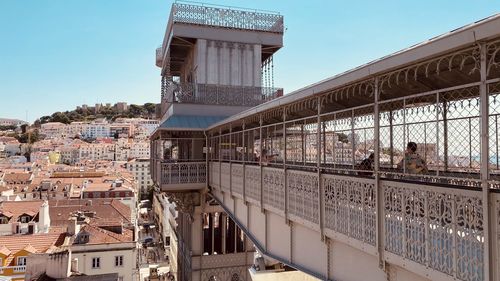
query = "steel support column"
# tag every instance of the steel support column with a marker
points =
(376, 169)
(484, 110)
(284, 163)
(318, 168)
(231, 161)
(445, 134)
(244, 153)
(260, 166)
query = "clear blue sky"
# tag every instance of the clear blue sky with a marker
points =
(57, 54)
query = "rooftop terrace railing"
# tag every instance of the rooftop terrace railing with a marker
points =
(227, 17)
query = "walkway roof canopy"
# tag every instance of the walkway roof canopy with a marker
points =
(442, 62)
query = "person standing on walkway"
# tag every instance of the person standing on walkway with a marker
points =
(412, 162)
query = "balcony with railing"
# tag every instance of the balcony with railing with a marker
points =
(178, 163)
(213, 94)
(183, 174)
(13, 270)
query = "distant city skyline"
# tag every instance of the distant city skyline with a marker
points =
(58, 54)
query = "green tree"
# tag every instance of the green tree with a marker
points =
(60, 117)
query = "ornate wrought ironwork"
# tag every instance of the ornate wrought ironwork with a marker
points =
(303, 195)
(220, 94)
(237, 179)
(449, 222)
(225, 169)
(183, 173)
(227, 18)
(426, 68)
(350, 207)
(273, 181)
(493, 56)
(252, 183)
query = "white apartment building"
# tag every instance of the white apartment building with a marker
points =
(97, 151)
(76, 129)
(11, 122)
(148, 125)
(164, 215)
(140, 150)
(140, 169)
(100, 252)
(97, 129)
(53, 130)
(69, 154)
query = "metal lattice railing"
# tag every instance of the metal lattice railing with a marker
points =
(218, 94)
(183, 173)
(445, 128)
(227, 17)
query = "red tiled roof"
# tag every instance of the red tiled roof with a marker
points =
(99, 235)
(4, 251)
(14, 209)
(17, 177)
(107, 211)
(35, 242)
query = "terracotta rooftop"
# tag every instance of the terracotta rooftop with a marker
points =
(4, 251)
(39, 243)
(13, 178)
(14, 209)
(99, 235)
(104, 187)
(107, 211)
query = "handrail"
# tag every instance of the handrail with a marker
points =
(183, 172)
(227, 18)
(15, 268)
(215, 94)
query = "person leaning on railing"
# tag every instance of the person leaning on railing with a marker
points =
(412, 162)
(366, 164)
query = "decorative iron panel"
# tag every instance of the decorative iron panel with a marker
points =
(303, 195)
(273, 181)
(350, 207)
(227, 18)
(449, 221)
(183, 172)
(216, 174)
(237, 178)
(220, 94)
(225, 176)
(252, 182)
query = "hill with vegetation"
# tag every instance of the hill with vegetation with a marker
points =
(110, 113)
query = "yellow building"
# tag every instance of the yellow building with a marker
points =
(14, 249)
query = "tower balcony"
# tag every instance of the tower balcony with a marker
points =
(180, 176)
(178, 163)
(213, 94)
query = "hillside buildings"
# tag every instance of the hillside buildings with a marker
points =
(100, 128)
(11, 122)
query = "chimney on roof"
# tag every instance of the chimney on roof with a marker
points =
(89, 203)
(73, 227)
(44, 217)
